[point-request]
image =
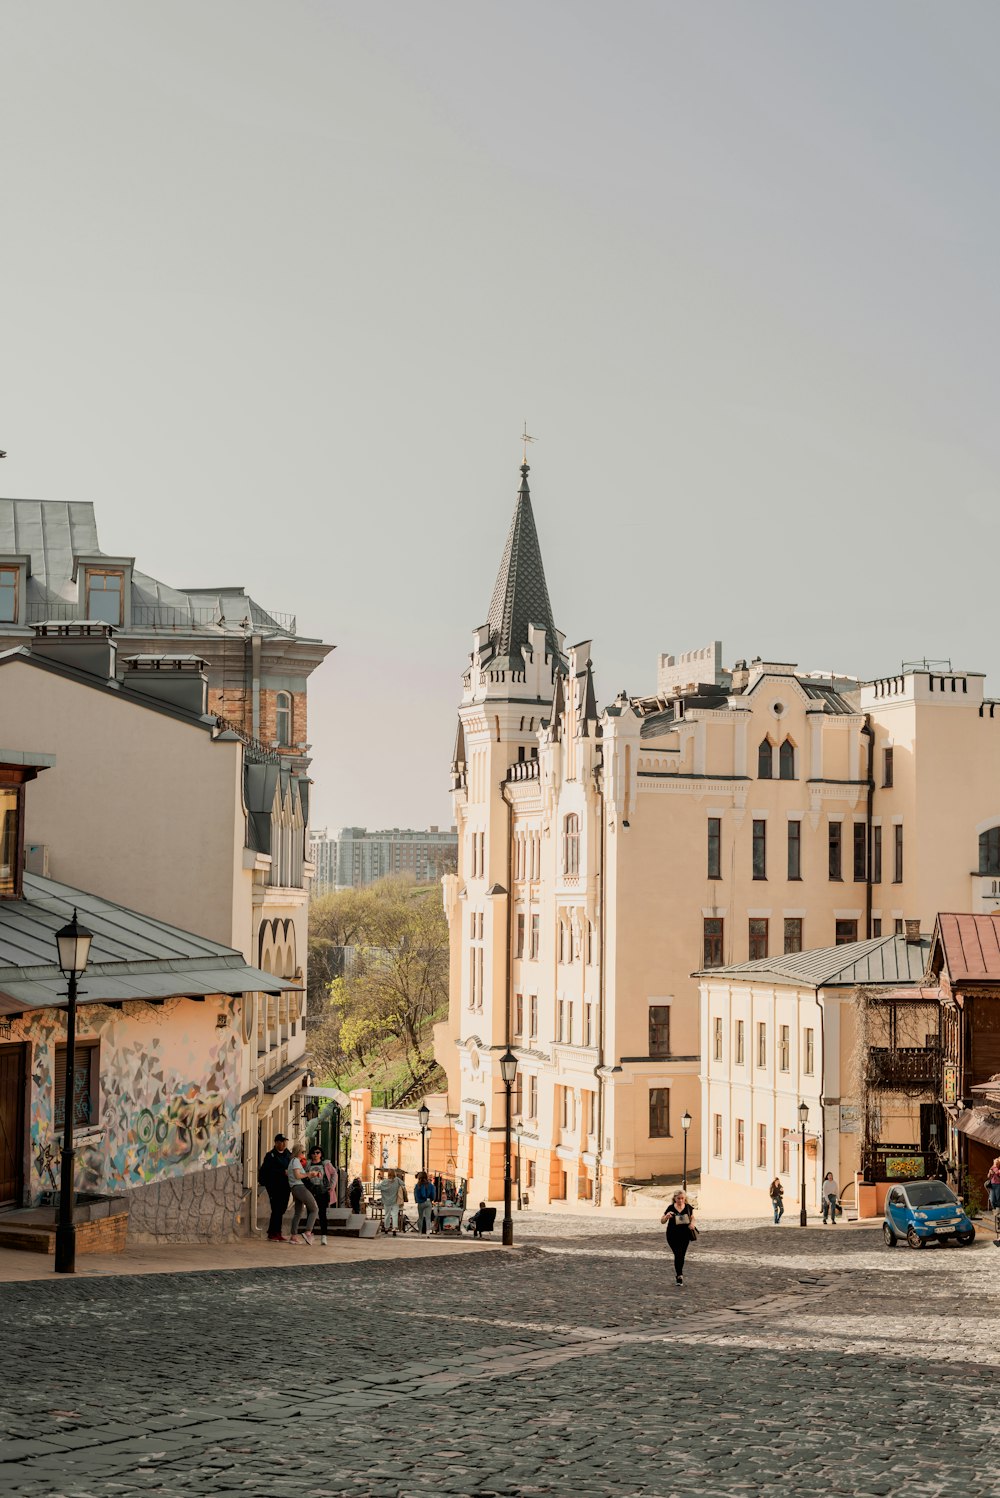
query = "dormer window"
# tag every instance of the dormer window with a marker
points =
(11, 840)
(10, 578)
(105, 596)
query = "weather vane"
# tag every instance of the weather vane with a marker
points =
(526, 439)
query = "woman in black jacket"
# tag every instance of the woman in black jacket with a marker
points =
(355, 1195)
(679, 1218)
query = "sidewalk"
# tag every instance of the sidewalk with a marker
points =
(184, 1258)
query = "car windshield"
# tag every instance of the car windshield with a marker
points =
(930, 1194)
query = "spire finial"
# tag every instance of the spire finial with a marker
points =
(526, 439)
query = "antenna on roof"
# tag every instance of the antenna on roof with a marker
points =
(526, 439)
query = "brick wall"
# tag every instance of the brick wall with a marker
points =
(237, 707)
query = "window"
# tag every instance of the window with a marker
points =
(765, 760)
(590, 943)
(877, 926)
(531, 1173)
(85, 1084)
(846, 931)
(713, 941)
(761, 1146)
(532, 1097)
(717, 1039)
(809, 1061)
(562, 941)
(659, 1029)
(897, 853)
(876, 855)
(795, 850)
(564, 1099)
(786, 761)
(560, 1020)
(519, 950)
(517, 1096)
(283, 724)
(569, 1022)
(761, 1045)
(11, 840)
(715, 847)
(785, 1047)
(860, 852)
(836, 850)
(793, 933)
(518, 1014)
(659, 1113)
(989, 851)
(758, 938)
(536, 934)
(886, 768)
(786, 1152)
(8, 594)
(740, 1141)
(588, 1024)
(759, 849)
(571, 845)
(590, 1113)
(717, 1135)
(740, 1030)
(104, 597)
(533, 1017)
(897, 926)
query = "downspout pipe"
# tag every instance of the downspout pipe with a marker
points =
(508, 1026)
(602, 928)
(869, 733)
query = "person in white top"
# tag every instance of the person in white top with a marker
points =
(305, 1208)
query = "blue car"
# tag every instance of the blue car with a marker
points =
(925, 1211)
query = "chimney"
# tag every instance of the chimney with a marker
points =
(179, 680)
(912, 929)
(83, 644)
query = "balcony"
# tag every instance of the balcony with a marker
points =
(906, 1066)
(523, 769)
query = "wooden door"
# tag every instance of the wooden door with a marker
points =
(12, 1077)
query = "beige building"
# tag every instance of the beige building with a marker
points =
(606, 856)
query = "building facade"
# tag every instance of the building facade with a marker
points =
(605, 857)
(353, 856)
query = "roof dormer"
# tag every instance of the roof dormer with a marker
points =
(15, 570)
(105, 585)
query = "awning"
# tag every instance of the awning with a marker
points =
(981, 1124)
(178, 982)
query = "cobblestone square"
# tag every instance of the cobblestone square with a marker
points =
(790, 1361)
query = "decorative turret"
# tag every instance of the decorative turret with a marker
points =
(520, 597)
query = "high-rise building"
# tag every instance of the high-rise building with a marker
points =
(353, 856)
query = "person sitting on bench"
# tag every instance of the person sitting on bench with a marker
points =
(482, 1221)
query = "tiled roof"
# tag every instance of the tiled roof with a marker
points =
(883, 959)
(970, 945)
(520, 596)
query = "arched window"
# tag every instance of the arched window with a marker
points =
(765, 760)
(283, 718)
(989, 851)
(571, 844)
(786, 761)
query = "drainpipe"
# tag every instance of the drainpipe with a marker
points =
(869, 733)
(602, 928)
(255, 644)
(508, 1036)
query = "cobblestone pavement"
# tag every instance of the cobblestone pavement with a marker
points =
(790, 1361)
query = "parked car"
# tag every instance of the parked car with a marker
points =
(922, 1211)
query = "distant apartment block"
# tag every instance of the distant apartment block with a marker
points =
(353, 856)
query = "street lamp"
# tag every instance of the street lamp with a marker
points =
(519, 1131)
(73, 944)
(508, 1071)
(803, 1115)
(424, 1115)
(685, 1125)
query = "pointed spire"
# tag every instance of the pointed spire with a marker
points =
(520, 596)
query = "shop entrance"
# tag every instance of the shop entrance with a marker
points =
(12, 1078)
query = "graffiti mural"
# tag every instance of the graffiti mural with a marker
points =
(168, 1093)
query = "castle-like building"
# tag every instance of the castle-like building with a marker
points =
(605, 857)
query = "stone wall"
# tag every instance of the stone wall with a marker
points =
(204, 1205)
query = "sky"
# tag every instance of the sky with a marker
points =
(281, 282)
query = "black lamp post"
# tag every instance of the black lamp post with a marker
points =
(73, 943)
(803, 1115)
(424, 1115)
(508, 1071)
(519, 1131)
(685, 1125)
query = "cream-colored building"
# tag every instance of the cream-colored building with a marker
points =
(606, 856)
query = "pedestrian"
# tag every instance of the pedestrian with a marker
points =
(679, 1218)
(777, 1200)
(320, 1183)
(304, 1210)
(356, 1196)
(273, 1176)
(393, 1194)
(830, 1198)
(992, 1184)
(425, 1195)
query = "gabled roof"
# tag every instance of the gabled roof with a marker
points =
(520, 596)
(967, 947)
(883, 959)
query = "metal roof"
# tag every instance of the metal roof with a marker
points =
(970, 945)
(883, 959)
(132, 956)
(520, 596)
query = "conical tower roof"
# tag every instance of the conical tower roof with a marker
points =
(520, 596)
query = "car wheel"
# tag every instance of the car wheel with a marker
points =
(964, 1239)
(914, 1239)
(889, 1235)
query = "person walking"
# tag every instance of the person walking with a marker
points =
(992, 1184)
(425, 1195)
(830, 1195)
(393, 1194)
(320, 1173)
(679, 1218)
(273, 1176)
(777, 1200)
(356, 1196)
(304, 1210)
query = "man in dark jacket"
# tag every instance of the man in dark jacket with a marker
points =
(273, 1176)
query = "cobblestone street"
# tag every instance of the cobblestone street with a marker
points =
(789, 1361)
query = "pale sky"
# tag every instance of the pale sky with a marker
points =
(282, 281)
